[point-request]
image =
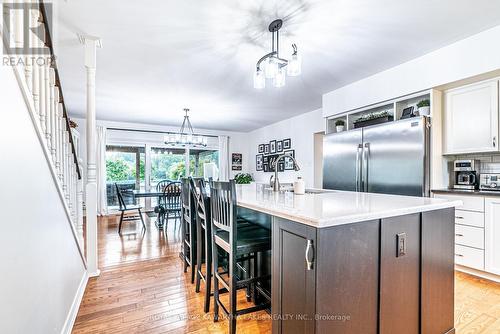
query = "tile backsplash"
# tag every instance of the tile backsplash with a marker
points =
(489, 163)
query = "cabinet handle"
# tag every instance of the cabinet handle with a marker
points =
(310, 255)
(459, 255)
(459, 217)
(494, 141)
(459, 235)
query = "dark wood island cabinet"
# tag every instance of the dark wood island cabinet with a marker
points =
(356, 263)
(390, 275)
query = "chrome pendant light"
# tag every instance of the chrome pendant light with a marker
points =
(272, 66)
(186, 135)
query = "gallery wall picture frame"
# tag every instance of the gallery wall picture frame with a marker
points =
(236, 161)
(281, 167)
(272, 146)
(287, 144)
(259, 160)
(279, 146)
(261, 148)
(266, 148)
(287, 161)
(265, 167)
(265, 159)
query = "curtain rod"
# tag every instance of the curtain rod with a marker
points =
(162, 132)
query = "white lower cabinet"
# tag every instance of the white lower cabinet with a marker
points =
(469, 257)
(492, 234)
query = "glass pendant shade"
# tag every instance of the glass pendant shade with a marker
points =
(271, 68)
(259, 80)
(279, 78)
(294, 67)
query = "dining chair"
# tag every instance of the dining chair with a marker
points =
(170, 203)
(240, 244)
(188, 228)
(123, 208)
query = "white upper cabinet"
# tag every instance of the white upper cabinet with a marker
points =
(471, 118)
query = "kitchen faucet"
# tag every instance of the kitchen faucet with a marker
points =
(274, 181)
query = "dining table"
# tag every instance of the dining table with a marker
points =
(151, 194)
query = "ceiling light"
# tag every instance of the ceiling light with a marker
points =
(259, 80)
(279, 78)
(294, 67)
(186, 135)
(271, 66)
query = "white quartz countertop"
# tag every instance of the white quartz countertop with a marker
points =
(334, 207)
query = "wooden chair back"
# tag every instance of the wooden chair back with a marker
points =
(224, 207)
(172, 196)
(121, 202)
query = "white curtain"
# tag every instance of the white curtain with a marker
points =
(223, 158)
(102, 204)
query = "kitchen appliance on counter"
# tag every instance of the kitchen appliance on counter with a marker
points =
(490, 182)
(390, 158)
(465, 174)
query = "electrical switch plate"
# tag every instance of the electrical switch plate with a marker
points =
(401, 244)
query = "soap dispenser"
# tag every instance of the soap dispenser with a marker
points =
(299, 186)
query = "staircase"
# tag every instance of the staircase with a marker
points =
(42, 89)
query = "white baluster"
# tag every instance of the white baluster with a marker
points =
(17, 25)
(64, 160)
(79, 198)
(28, 73)
(42, 102)
(61, 141)
(48, 121)
(56, 132)
(53, 117)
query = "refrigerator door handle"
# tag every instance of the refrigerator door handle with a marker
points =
(358, 168)
(366, 152)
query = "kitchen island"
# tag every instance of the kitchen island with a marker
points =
(347, 262)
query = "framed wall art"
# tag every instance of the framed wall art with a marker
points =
(279, 146)
(287, 144)
(272, 146)
(259, 161)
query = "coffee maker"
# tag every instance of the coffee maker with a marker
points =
(465, 174)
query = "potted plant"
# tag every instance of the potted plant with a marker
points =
(424, 107)
(373, 118)
(339, 125)
(243, 178)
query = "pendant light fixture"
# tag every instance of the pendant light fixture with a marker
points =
(271, 66)
(186, 135)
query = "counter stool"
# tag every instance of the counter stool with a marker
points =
(203, 239)
(240, 244)
(188, 228)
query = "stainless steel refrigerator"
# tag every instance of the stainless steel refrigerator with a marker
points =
(390, 158)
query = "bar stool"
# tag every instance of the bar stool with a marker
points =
(203, 239)
(240, 244)
(188, 228)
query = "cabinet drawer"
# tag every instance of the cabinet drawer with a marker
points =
(469, 257)
(469, 236)
(469, 218)
(471, 203)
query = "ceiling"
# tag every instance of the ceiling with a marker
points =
(161, 56)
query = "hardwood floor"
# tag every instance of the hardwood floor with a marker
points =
(142, 289)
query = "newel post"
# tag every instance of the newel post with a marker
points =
(91, 44)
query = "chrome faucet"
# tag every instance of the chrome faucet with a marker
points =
(274, 181)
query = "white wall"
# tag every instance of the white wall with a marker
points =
(41, 265)
(466, 58)
(301, 130)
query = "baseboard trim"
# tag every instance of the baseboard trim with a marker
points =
(75, 306)
(479, 273)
